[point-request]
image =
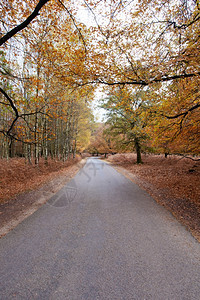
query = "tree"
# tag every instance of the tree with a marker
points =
(126, 120)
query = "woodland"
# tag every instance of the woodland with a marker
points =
(56, 55)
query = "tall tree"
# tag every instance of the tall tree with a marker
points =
(126, 119)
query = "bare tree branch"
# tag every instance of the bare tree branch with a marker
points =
(16, 139)
(13, 108)
(150, 81)
(10, 101)
(24, 24)
(187, 157)
(184, 114)
(17, 115)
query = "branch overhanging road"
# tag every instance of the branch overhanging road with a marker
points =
(100, 237)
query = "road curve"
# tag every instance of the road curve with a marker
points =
(100, 237)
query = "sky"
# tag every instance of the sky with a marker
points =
(99, 113)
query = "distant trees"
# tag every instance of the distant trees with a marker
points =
(55, 127)
(101, 143)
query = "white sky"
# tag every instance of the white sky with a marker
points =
(99, 113)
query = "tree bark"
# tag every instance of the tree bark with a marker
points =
(138, 150)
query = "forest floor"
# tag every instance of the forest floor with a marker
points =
(24, 188)
(173, 182)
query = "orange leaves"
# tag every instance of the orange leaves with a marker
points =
(176, 125)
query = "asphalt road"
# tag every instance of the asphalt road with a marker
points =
(100, 237)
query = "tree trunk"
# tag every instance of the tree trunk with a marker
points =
(138, 150)
(11, 148)
(36, 150)
(27, 153)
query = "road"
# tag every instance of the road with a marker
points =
(100, 237)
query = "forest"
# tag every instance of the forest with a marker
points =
(55, 57)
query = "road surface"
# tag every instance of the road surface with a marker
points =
(100, 237)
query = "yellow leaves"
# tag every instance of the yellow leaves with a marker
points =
(175, 123)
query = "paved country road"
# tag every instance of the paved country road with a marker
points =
(100, 237)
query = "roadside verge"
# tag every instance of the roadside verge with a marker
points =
(15, 210)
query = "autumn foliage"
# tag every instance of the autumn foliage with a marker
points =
(144, 56)
(42, 114)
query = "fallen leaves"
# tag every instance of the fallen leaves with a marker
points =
(17, 177)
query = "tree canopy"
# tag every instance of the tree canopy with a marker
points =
(143, 54)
